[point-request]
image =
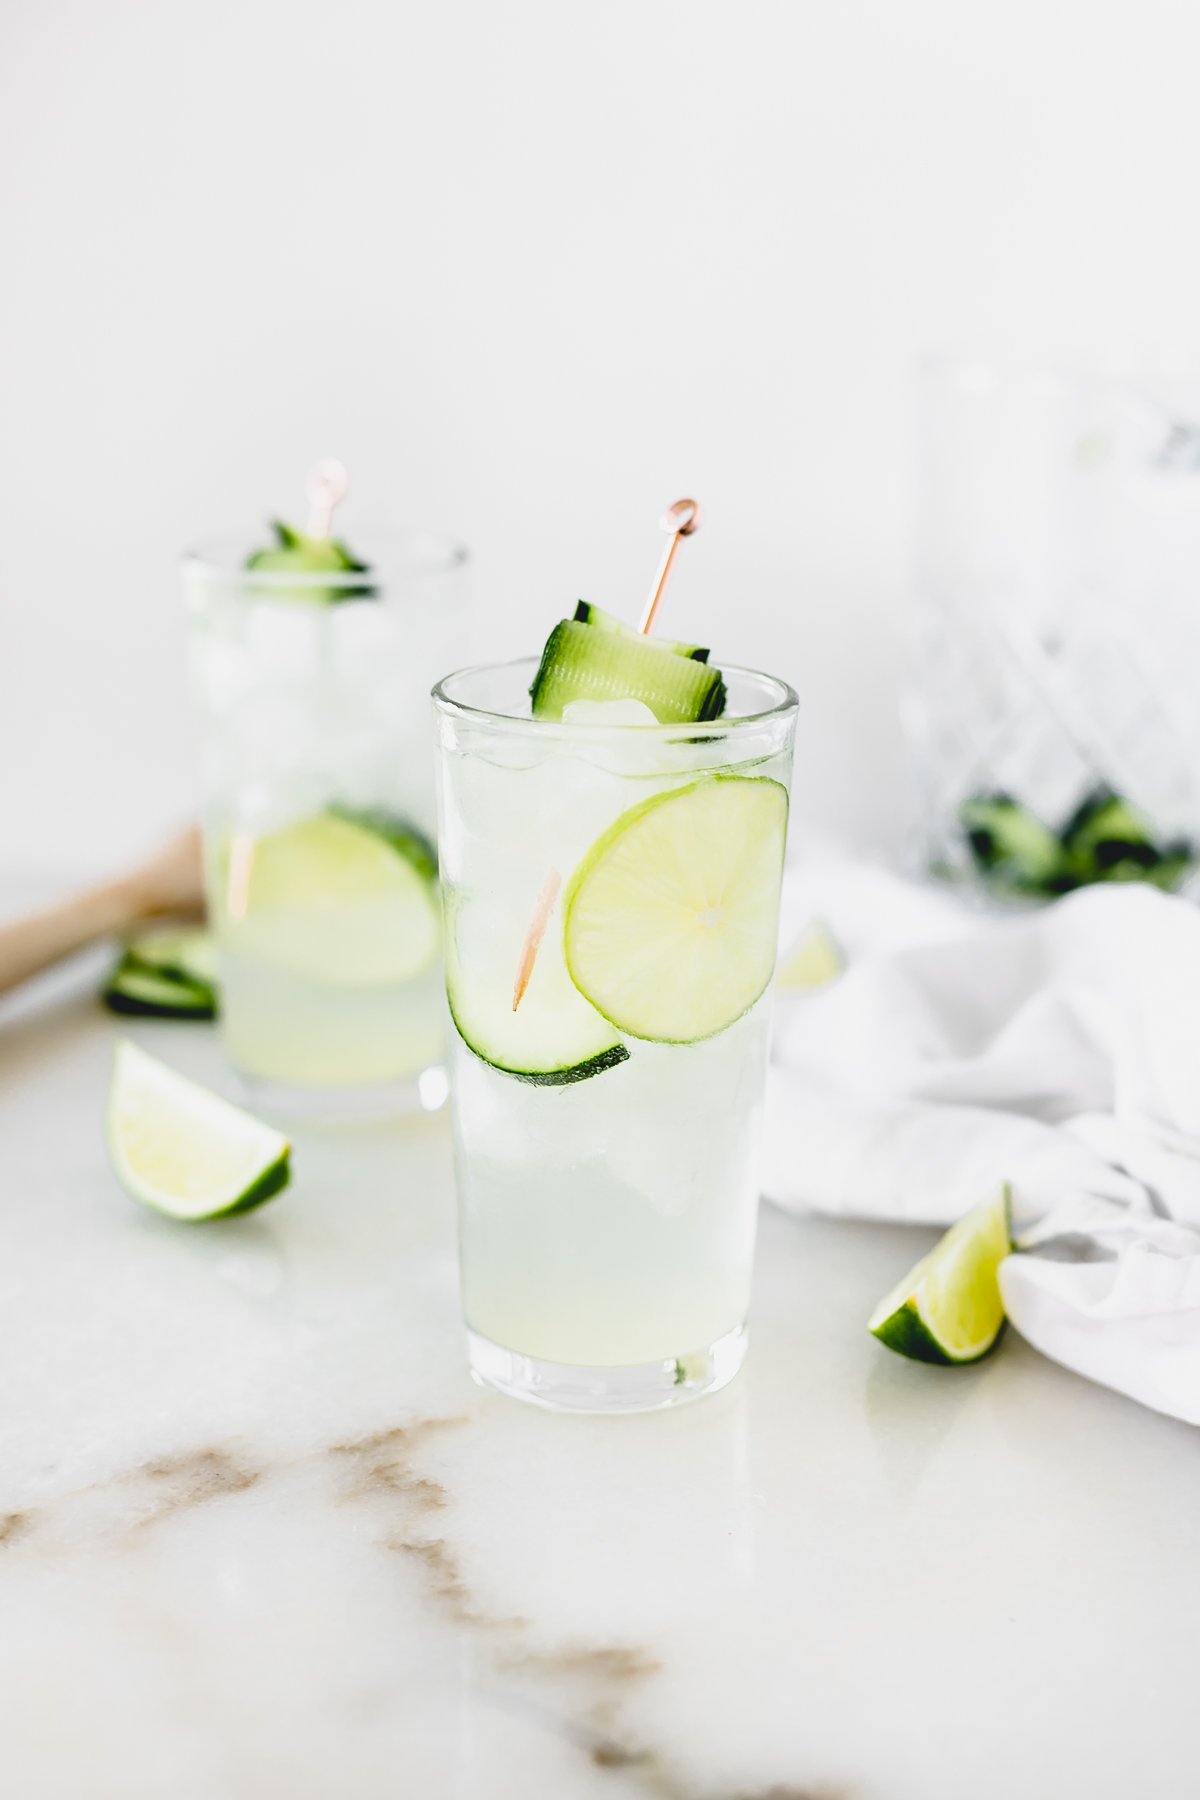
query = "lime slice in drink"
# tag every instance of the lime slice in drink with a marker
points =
(948, 1309)
(552, 1037)
(813, 961)
(184, 1151)
(338, 899)
(670, 919)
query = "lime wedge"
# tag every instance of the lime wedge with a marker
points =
(948, 1309)
(184, 1151)
(813, 961)
(337, 899)
(670, 919)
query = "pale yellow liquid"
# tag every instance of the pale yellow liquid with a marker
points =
(280, 1026)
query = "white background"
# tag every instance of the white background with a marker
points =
(534, 268)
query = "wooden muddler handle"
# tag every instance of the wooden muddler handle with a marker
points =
(170, 885)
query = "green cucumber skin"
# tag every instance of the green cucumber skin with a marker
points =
(1105, 840)
(587, 614)
(297, 553)
(129, 1006)
(557, 681)
(595, 1065)
(140, 990)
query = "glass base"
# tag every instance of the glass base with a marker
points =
(423, 1093)
(640, 1387)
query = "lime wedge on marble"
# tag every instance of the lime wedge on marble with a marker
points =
(948, 1308)
(184, 1151)
(813, 961)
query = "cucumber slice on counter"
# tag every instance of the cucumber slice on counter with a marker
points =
(671, 917)
(583, 663)
(138, 992)
(184, 1151)
(553, 1037)
(948, 1308)
(180, 955)
(586, 614)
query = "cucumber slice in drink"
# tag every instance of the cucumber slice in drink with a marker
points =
(296, 553)
(948, 1308)
(587, 614)
(184, 1151)
(143, 993)
(336, 900)
(671, 917)
(553, 1036)
(583, 663)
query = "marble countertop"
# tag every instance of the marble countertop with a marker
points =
(260, 1535)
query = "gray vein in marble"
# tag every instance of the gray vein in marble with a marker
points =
(579, 1688)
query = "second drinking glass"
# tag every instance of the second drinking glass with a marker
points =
(321, 868)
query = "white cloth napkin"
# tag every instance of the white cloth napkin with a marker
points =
(1058, 1050)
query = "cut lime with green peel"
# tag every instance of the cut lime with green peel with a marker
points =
(670, 919)
(813, 962)
(336, 898)
(948, 1309)
(183, 1151)
(553, 1037)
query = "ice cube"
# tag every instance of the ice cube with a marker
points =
(608, 712)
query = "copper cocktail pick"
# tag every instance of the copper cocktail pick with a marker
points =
(681, 520)
(328, 486)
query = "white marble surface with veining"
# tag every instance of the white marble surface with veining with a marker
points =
(260, 1536)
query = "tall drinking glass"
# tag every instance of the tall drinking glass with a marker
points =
(319, 815)
(611, 902)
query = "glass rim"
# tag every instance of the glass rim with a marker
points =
(786, 703)
(215, 561)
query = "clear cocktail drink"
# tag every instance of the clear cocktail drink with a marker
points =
(322, 870)
(606, 1112)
